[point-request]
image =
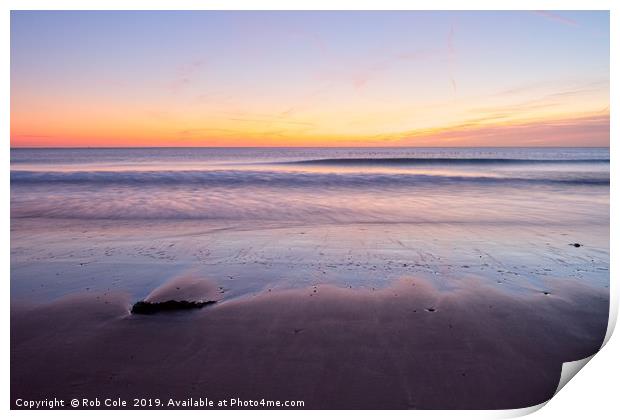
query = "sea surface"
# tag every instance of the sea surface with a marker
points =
(322, 185)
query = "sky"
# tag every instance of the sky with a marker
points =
(351, 79)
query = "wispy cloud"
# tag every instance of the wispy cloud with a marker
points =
(591, 130)
(556, 17)
(542, 95)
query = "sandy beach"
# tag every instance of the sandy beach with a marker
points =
(406, 346)
(380, 316)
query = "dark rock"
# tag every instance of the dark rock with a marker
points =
(149, 308)
(576, 245)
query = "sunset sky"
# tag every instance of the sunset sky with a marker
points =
(309, 79)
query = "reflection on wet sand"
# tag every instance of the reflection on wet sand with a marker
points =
(408, 345)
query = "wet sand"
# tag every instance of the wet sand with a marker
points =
(427, 315)
(408, 345)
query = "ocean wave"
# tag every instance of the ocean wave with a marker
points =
(239, 178)
(438, 161)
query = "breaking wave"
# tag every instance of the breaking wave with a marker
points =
(233, 178)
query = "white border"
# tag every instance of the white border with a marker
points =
(593, 394)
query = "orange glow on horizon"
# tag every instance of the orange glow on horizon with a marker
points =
(560, 130)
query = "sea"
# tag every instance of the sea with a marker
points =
(314, 185)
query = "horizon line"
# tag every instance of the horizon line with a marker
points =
(308, 147)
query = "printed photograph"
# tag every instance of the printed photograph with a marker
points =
(306, 209)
